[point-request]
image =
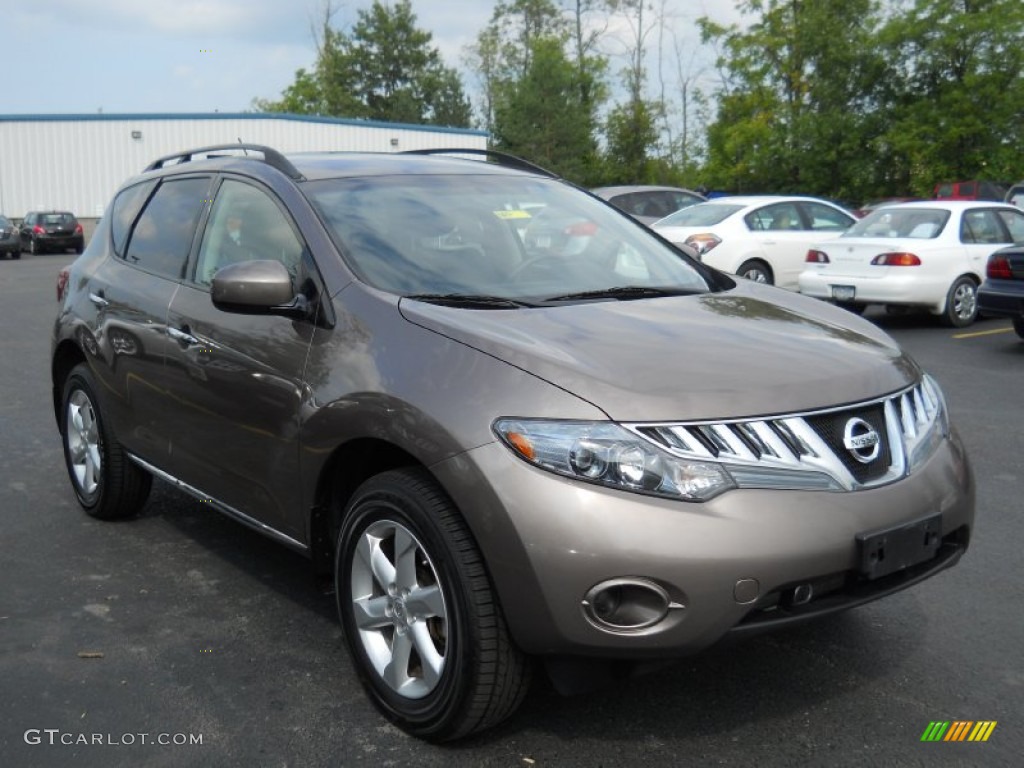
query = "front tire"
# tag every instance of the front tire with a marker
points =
(419, 614)
(961, 303)
(757, 271)
(108, 485)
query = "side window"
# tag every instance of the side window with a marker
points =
(981, 226)
(634, 203)
(246, 225)
(162, 237)
(825, 219)
(780, 217)
(126, 207)
(1014, 221)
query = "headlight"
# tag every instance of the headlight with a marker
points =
(609, 455)
(924, 421)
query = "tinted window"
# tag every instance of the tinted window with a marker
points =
(126, 207)
(4, 222)
(826, 219)
(245, 225)
(57, 219)
(162, 237)
(703, 215)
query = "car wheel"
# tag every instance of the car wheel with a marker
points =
(15, 254)
(1018, 326)
(756, 270)
(79, 248)
(961, 303)
(108, 485)
(419, 614)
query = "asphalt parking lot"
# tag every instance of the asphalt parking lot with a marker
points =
(125, 644)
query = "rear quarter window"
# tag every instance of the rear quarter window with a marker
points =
(162, 237)
(127, 204)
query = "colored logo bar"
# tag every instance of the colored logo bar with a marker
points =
(958, 730)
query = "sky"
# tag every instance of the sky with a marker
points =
(172, 56)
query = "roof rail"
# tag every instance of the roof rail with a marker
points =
(271, 157)
(502, 158)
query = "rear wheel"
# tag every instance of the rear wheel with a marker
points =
(857, 309)
(961, 303)
(419, 614)
(756, 270)
(1018, 326)
(108, 485)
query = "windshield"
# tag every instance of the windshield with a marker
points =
(915, 223)
(487, 236)
(56, 218)
(700, 215)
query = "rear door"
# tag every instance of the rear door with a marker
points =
(151, 234)
(982, 231)
(237, 380)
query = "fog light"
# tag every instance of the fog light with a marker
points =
(626, 605)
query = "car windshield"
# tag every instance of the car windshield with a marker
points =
(493, 236)
(915, 223)
(700, 215)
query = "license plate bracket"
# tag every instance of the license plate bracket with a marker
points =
(892, 549)
(844, 292)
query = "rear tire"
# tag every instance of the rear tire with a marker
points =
(757, 271)
(109, 486)
(961, 303)
(857, 309)
(419, 614)
(1018, 326)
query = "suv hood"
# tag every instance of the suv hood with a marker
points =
(750, 351)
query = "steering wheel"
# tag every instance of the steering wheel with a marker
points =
(542, 263)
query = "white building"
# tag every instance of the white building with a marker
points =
(76, 162)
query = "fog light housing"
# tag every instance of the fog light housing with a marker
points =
(626, 604)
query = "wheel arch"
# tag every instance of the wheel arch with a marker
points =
(65, 357)
(349, 466)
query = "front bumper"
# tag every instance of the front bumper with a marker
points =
(548, 540)
(894, 285)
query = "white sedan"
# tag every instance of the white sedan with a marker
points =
(928, 254)
(761, 238)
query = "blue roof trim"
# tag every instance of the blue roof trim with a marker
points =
(101, 116)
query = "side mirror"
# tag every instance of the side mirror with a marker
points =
(257, 288)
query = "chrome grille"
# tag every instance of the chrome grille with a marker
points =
(813, 442)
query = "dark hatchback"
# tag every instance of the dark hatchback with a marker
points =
(9, 243)
(1002, 293)
(43, 231)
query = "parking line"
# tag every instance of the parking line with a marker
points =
(980, 333)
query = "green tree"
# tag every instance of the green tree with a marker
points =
(799, 106)
(540, 102)
(385, 68)
(956, 92)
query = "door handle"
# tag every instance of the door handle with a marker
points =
(182, 335)
(98, 300)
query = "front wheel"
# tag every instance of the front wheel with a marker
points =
(419, 614)
(756, 270)
(961, 303)
(108, 485)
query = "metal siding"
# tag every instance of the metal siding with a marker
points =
(78, 164)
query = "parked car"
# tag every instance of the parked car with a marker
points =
(43, 231)
(929, 255)
(9, 241)
(1015, 195)
(1002, 293)
(761, 238)
(499, 445)
(649, 203)
(970, 190)
(873, 205)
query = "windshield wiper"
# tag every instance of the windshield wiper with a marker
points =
(625, 292)
(470, 301)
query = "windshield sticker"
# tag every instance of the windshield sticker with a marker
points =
(512, 214)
